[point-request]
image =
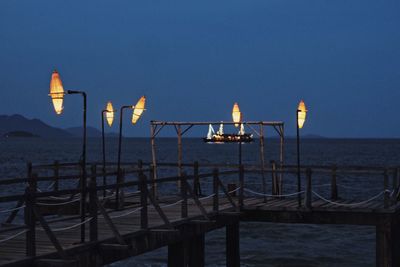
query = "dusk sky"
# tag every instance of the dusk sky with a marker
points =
(194, 59)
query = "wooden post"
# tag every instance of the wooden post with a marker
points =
(177, 255)
(395, 185)
(274, 181)
(143, 201)
(92, 204)
(179, 132)
(334, 190)
(93, 234)
(241, 185)
(154, 161)
(29, 216)
(196, 251)
(388, 243)
(215, 191)
(232, 245)
(308, 194)
(386, 189)
(262, 159)
(151, 176)
(184, 207)
(56, 173)
(196, 181)
(121, 198)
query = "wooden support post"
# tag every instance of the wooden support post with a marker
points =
(177, 255)
(386, 196)
(143, 201)
(29, 216)
(196, 251)
(196, 181)
(180, 169)
(93, 204)
(215, 190)
(334, 190)
(388, 243)
(274, 180)
(241, 185)
(56, 175)
(154, 160)
(395, 185)
(262, 159)
(93, 214)
(151, 177)
(308, 194)
(120, 190)
(183, 186)
(232, 245)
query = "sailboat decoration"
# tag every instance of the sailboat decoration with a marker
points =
(221, 137)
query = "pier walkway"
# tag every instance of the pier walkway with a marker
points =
(67, 216)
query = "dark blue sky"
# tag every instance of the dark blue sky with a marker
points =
(193, 59)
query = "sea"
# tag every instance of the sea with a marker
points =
(261, 244)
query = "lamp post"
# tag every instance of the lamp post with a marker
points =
(109, 111)
(301, 113)
(137, 113)
(57, 94)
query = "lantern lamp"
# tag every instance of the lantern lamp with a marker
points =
(57, 92)
(138, 109)
(236, 114)
(109, 113)
(302, 112)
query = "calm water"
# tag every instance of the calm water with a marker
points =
(262, 244)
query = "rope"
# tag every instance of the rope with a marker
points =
(63, 198)
(350, 204)
(9, 210)
(57, 204)
(69, 227)
(125, 214)
(13, 236)
(267, 195)
(207, 197)
(172, 204)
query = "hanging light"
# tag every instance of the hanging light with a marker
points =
(302, 112)
(138, 109)
(236, 114)
(56, 92)
(109, 113)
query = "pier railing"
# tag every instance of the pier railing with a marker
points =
(63, 191)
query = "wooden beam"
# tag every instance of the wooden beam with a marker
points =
(232, 245)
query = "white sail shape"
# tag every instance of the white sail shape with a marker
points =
(210, 132)
(221, 129)
(241, 131)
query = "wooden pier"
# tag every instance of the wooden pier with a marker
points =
(44, 224)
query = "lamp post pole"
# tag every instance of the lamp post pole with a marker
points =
(83, 179)
(119, 154)
(104, 150)
(298, 158)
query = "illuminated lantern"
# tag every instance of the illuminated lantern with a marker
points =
(236, 114)
(56, 92)
(109, 113)
(138, 109)
(301, 114)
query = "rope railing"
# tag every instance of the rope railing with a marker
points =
(350, 204)
(58, 204)
(269, 195)
(13, 236)
(13, 209)
(126, 213)
(69, 227)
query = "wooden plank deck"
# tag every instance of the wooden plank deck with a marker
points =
(127, 221)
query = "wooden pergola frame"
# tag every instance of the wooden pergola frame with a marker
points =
(183, 127)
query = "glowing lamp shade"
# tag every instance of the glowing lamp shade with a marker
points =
(302, 112)
(56, 92)
(236, 114)
(109, 113)
(138, 109)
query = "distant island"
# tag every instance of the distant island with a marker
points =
(19, 134)
(19, 126)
